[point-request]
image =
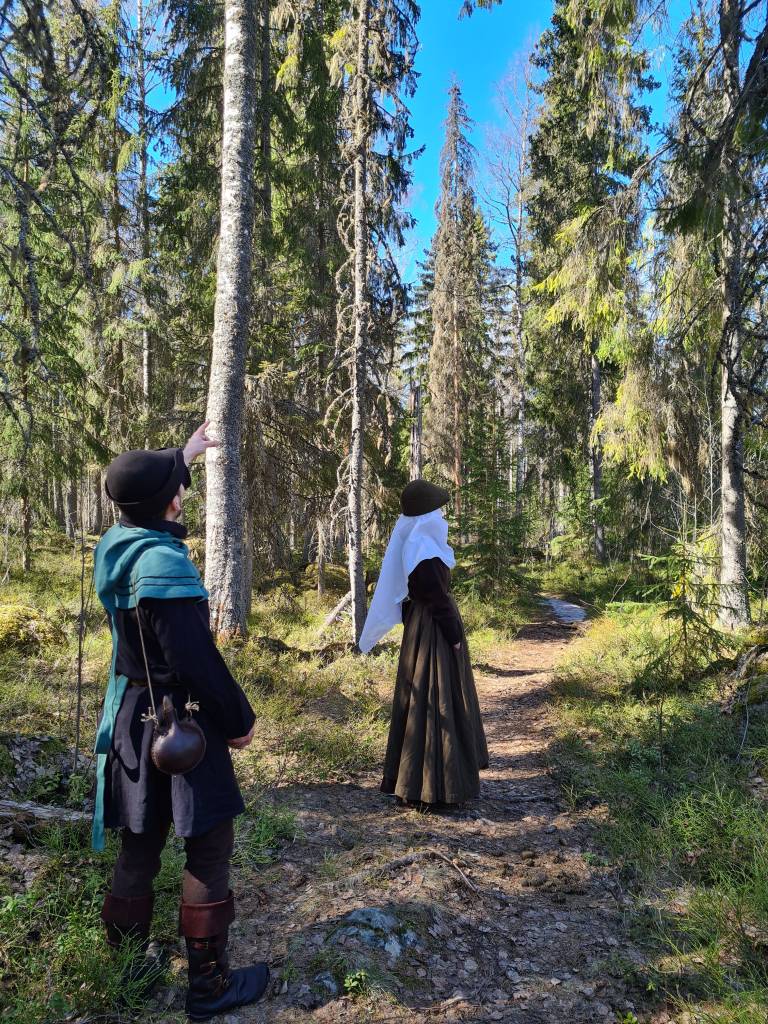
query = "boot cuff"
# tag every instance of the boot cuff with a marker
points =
(206, 920)
(124, 912)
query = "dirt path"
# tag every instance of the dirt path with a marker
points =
(491, 914)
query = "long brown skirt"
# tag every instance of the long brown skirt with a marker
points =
(436, 744)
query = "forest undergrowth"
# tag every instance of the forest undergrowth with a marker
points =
(647, 727)
(322, 716)
(645, 722)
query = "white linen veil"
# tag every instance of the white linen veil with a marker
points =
(413, 539)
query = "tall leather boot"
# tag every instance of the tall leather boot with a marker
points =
(213, 986)
(127, 921)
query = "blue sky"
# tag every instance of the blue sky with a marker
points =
(479, 51)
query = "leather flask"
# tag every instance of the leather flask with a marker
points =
(178, 745)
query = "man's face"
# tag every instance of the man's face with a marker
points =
(174, 509)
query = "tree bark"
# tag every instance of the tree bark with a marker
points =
(457, 425)
(97, 506)
(322, 535)
(520, 342)
(417, 432)
(359, 351)
(143, 202)
(734, 596)
(58, 504)
(596, 458)
(71, 514)
(224, 542)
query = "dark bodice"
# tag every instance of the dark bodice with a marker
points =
(430, 584)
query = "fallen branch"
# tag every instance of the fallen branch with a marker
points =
(28, 813)
(340, 607)
(412, 858)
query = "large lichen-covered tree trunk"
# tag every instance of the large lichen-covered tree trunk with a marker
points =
(734, 600)
(224, 548)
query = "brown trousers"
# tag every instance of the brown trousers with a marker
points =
(206, 872)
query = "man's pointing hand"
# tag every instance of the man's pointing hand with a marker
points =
(199, 443)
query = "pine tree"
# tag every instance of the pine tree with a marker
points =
(463, 353)
(579, 263)
(378, 47)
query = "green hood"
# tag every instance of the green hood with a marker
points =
(150, 563)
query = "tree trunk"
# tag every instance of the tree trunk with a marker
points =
(27, 351)
(520, 442)
(517, 234)
(596, 458)
(734, 596)
(322, 534)
(143, 202)
(416, 447)
(97, 519)
(224, 542)
(359, 351)
(265, 129)
(58, 504)
(71, 514)
(457, 425)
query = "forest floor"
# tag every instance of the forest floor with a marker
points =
(503, 911)
(614, 868)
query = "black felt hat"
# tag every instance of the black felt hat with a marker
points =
(144, 483)
(420, 497)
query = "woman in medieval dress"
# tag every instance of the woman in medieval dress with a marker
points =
(437, 744)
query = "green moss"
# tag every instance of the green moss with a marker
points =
(336, 578)
(23, 628)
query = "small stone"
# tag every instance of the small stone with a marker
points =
(373, 917)
(470, 965)
(327, 982)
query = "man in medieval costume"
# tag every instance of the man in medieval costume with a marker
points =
(158, 612)
(436, 745)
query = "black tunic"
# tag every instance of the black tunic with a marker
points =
(183, 662)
